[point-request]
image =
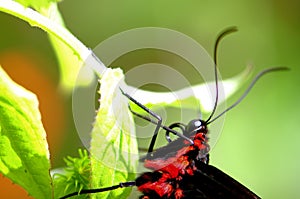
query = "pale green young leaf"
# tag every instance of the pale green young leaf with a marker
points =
(69, 50)
(37, 4)
(184, 98)
(113, 145)
(69, 63)
(24, 155)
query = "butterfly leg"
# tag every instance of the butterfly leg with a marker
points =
(158, 123)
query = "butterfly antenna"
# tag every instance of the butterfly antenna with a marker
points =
(221, 35)
(256, 78)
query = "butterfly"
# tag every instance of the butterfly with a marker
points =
(180, 169)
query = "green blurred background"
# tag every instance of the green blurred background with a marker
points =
(259, 145)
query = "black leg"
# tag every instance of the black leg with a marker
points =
(87, 191)
(207, 159)
(142, 116)
(169, 129)
(175, 125)
(158, 123)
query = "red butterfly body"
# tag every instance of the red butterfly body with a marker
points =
(181, 170)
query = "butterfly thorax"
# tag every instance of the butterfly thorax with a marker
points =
(169, 170)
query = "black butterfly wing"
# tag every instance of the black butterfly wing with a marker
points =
(211, 183)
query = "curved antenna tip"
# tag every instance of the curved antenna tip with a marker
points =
(256, 78)
(231, 29)
(227, 30)
(280, 68)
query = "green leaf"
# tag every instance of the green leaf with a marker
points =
(36, 4)
(184, 98)
(114, 151)
(24, 155)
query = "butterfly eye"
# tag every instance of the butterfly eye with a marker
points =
(195, 126)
